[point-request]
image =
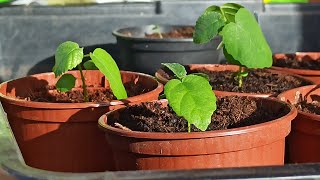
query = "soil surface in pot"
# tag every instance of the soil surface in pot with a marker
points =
(183, 32)
(290, 61)
(232, 112)
(95, 94)
(309, 107)
(258, 81)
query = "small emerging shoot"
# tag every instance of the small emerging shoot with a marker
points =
(69, 55)
(190, 96)
(156, 28)
(243, 42)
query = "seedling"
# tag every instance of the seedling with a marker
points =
(156, 28)
(190, 96)
(69, 55)
(243, 42)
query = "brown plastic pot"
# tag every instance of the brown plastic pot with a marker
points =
(304, 139)
(64, 136)
(224, 67)
(256, 145)
(313, 75)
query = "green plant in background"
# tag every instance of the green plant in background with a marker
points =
(69, 55)
(243, 42)
(156, 28)
(190, 96)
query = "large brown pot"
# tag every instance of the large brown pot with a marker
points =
(313, 75)
(255, 145)
(65, 136)
(223, 67)
(304, 139)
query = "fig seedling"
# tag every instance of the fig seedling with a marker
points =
(243, 42)
(69, 55)
(190, 96)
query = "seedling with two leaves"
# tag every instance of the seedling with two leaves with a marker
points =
(243, 42)
(69, 56)
(190, 96)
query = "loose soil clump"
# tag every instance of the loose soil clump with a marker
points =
(232, 112)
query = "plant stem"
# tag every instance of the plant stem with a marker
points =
(240, 76)
(220, 45)
(86, 55)
(189, 127)
(84, 86)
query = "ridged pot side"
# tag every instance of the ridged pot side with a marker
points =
(303, 141)
(224, 67)
(313, 75)
(64, 136)
(256, 145)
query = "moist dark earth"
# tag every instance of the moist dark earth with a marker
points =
(184, 32)
(232, 112)
(309, 107)
(258, 81)
(290, 61)
(95, 94)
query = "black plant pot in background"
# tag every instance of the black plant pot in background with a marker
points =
(144, 54)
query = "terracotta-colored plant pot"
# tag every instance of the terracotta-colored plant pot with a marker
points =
(313, 75)
(256, 145)
(304, 139)
(65, 136)
(224, 67)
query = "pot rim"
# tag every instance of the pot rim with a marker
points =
(164, 80)
(305, 72)
(196, 135)
(51, 105)
(310, 116)
(118, 34)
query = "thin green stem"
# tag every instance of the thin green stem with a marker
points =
(240, 76)
(220, 45)
(84, 86)
(86, 55)
(189, 127)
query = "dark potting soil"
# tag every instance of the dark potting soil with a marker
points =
(232, 112)
(309, 107)
(290, 61)
(184, 32)
(258, 81)
(95, 94)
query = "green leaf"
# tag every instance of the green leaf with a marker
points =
(202, 75)
(177, 69)
(193, 99)
(229, 58)
(66, 83)
(89, 65)
(245, 42)
(214, 9)
(207, 26)
(105, 63)
(229, 11)
(68, 56)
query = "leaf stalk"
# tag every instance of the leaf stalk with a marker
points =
(84, 86)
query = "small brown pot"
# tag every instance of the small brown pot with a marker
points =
(224, 67)
(313, 75)
(304, 139)
(256, 145)
(65, 136)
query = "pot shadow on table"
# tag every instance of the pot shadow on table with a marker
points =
(46, 65)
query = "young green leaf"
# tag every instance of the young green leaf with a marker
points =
(89, 65)
(68, 56)
(177, 69)
(229, 11)
(192, 98)
(202, 75)
(66, 83)
(207, 26)
(229, 58)
(244, 40)
(105, 63)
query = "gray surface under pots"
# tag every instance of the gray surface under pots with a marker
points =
(139, 53)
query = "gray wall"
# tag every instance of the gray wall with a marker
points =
(29, 35)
